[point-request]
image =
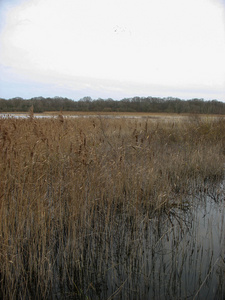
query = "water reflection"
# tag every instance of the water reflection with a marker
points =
(112, 116)
(40, 116)
(179, 255)
(24, 116)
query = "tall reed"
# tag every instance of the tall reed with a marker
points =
(68, 187)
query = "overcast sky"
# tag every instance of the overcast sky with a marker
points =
(112, 48)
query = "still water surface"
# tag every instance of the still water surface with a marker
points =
(180, 255)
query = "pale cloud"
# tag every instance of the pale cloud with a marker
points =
(128, 46)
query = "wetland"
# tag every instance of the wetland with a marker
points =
(112, 208)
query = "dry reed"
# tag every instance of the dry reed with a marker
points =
(68, 187)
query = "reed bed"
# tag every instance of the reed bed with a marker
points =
(74, 193)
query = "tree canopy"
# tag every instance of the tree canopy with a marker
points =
(134, 104)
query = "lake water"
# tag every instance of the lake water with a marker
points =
(113, 116)
(179, 255)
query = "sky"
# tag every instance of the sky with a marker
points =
(112, 48)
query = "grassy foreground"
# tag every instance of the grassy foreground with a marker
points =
(65, 181)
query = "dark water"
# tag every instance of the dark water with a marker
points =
(179, 255)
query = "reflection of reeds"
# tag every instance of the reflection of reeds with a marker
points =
(77, 194)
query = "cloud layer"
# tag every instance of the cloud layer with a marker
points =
(112, 47)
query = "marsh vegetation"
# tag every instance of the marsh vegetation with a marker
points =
(95, 208)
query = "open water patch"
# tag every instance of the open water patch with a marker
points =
(179, 254)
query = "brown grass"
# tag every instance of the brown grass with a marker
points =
(63, 181)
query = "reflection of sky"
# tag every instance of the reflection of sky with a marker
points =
(113, 48)
(176, 258)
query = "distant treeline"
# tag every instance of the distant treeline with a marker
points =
(135, 104)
